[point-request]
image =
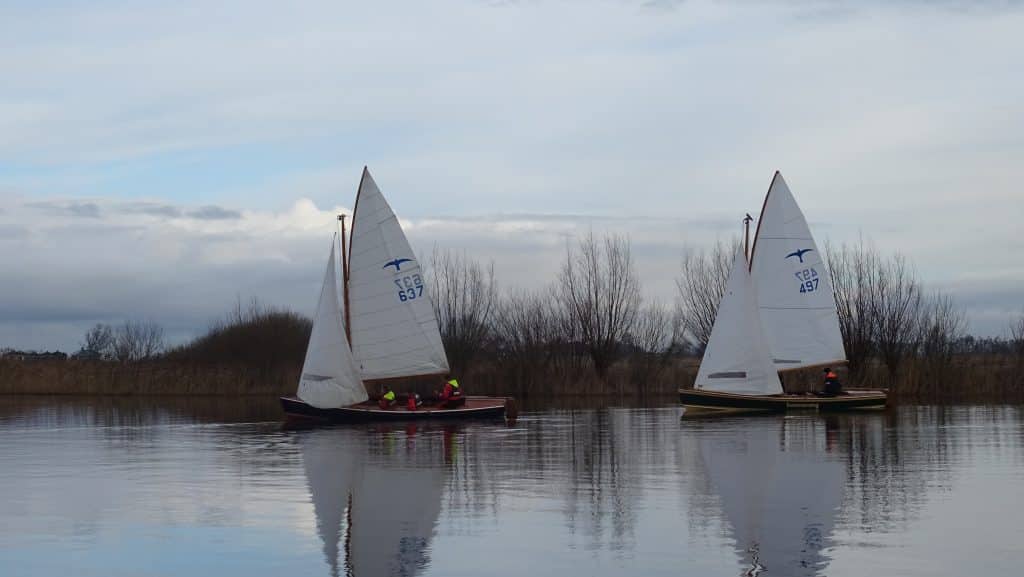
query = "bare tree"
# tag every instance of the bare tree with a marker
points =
(599, 288)
(942, 327)
(854, 272)
(700, 286)
(465, 295)
(1017, 337)
(897, 315)
(654, 338)
(99, 341)
(137, 341)
(528, 336)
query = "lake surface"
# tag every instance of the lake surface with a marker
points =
(165, 487)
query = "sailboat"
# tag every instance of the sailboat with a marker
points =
(777, 314)
(386, 330)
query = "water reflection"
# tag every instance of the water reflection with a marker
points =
(377, 494)
(779, 483)
(168, 487)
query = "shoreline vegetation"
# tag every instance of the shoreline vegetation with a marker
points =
(588, 333)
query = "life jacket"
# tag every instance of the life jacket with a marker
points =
(832, 386)
(454, 384)
(389, 396)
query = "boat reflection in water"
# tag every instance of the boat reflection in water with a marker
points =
(376, 496)
(779, 488)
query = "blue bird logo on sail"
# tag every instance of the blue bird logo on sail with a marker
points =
(799, 253)
(397, 263)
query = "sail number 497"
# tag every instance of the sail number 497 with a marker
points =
(808, 280)
(409, 287)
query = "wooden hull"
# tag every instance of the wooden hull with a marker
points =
(698, 401)
(474, 407)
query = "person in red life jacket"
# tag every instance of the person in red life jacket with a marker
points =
(832, 386)
(451, 395)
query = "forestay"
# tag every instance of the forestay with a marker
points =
(794, 293)
(329, 377)
(394, 330)
(736, 359)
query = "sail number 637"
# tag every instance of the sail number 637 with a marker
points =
(409, 287)
(808, 280)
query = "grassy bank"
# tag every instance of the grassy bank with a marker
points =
(158, 377)
(964, 378)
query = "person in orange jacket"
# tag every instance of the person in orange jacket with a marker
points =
(832, 387)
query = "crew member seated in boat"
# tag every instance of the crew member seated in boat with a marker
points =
(832, 386)
(387, 400)
(451, 395)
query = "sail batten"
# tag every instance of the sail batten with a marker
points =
(329, 378)
(394, 330)
(736, 359)
(794, 291)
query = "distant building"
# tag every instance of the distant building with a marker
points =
(35, 356)
(88, 355)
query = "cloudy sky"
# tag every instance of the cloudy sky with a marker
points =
(162, 161)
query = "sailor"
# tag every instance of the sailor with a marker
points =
(451, 395)
(388, 398)
(832, 386)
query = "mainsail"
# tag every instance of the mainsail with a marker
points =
(329, 378)
(394, 330)
(736, 359)
(794, 293)
(779, 489)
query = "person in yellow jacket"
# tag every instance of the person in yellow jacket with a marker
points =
(388, 398)
(451, 395)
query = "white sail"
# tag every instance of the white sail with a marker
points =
(394, 331)
(329, 377)
(780, 491)
(736, 359)
(794, 292)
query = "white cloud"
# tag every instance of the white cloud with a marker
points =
(661, 120)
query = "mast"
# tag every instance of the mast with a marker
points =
(746, 238)
(344, 278)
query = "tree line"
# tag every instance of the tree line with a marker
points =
(592, 319)
(592, 330)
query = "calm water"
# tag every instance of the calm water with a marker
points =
(217, 488)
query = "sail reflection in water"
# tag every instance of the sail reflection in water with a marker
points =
(778, 488)
(376, 506)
